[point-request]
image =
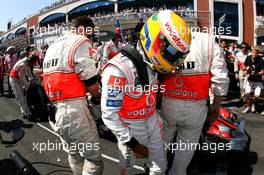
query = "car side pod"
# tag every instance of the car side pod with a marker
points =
(23, 166)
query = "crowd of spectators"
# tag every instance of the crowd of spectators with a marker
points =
(246, 72)
(112, 17)
(10, 56)
(142, 12)
(55, 4)
(124, 15)
(182, 9)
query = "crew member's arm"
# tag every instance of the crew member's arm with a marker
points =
(23, 77)
(113, 81)
(85, 67)
(30, 75)
(111, 102)
(106, 52)
(219, 81)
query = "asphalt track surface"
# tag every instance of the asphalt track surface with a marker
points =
(47, 161)
(54, 162)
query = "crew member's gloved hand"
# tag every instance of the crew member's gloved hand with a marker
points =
(138, 149)
(96, 100)
(212, 114)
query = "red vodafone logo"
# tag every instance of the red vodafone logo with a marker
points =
(179, 82)
(150, 100)
(174, 37)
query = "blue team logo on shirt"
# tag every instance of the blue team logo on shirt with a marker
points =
(112, 92)
(113, 103)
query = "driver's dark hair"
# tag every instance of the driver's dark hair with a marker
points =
(84, 21)
(32, 58)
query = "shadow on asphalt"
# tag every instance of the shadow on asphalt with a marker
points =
(237, 104)
(14, 124)
(233, 100)
(52, 164)
(14, 128)
(59, 171)
(240, 103)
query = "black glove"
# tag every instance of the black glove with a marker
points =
(96, 100)
(140, 151)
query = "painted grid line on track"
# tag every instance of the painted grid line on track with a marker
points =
(103, 155)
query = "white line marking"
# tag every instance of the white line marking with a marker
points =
(47, 129)
(103, 155)
(117, 161)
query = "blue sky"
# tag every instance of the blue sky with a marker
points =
(18, 9)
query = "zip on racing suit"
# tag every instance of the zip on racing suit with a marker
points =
(20, 79)
(186, 92)
(66, 67)
(132, 114)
